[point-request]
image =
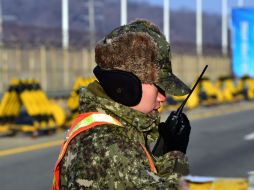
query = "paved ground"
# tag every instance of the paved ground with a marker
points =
(21, 139)
(203, 112)
(221, 144)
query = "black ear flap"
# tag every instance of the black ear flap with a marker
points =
(122, 86)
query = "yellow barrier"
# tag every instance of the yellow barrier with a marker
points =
(193, 101)
(40, 113)
(73, 100)
(208, 93)
(246, 86)
(211, 93)
(229, 89)
(58, 114)
(220, 184)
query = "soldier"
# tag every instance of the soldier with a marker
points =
(110, 144)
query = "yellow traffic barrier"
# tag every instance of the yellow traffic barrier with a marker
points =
(24, 128)
(83, 82)
(10, 107)
(220, 184)
(173, 102)
(73, 100)
(209, 93)
(246, 86)
(58, 113)
(229, 89)
(38, 113)
(37, 105)
(4, 129)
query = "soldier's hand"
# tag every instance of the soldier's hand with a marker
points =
(175, 133)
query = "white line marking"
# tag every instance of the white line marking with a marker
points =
(249, 137)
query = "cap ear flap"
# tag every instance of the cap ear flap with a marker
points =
(122, 86)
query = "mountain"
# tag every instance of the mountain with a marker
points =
(33, 23)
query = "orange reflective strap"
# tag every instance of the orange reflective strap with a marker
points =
(91, 117)
(150, 160)
(82, 123)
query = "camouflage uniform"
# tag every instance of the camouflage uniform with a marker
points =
(110, 157)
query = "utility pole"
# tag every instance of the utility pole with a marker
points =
(91, 23)
(65, 24)
(224, 27)
(1, 24)
(123, 12)
(166, 19)
(199, 34)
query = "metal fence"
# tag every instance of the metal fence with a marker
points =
(57, 69)
(188, 67)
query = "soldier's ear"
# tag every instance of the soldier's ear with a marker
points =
(122, 86)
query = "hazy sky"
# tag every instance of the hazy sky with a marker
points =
(212, 6)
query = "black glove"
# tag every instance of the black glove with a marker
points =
(174, 135)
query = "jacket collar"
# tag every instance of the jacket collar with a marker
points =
(94, 96)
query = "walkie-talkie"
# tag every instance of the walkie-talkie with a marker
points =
(174, 120)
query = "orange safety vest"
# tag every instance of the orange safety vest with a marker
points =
(82, 123)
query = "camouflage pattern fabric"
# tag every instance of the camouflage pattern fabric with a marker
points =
(109, 157)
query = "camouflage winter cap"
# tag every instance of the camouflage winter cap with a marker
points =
(140, 48)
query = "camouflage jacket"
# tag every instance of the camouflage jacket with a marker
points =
(110, 157)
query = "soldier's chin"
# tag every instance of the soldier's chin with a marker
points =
(154, 111)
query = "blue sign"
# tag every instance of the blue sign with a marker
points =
(243, 41)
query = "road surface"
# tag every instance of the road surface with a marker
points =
(221, 144)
